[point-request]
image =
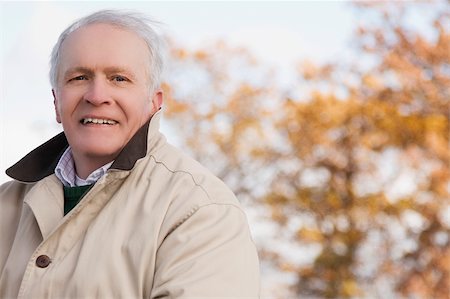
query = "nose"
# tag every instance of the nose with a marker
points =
(97, 92)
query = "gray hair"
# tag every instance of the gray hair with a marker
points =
(133, 22)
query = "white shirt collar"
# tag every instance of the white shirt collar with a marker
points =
(65, 171)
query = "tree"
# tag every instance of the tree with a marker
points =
(332, 164)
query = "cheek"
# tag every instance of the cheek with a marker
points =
(139, 111)
(67, 99)
(145, 104)
(64, 106)
(142, 112)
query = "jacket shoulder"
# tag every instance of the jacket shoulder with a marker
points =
(189, 175)
(13, 192)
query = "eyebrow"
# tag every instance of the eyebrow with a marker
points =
(78, 69)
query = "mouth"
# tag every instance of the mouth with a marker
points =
(97, 121)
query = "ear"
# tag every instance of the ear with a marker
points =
(157, 100)
(56, 103)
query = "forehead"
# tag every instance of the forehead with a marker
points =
(104, 46)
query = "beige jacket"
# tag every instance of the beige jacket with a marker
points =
(156, 225)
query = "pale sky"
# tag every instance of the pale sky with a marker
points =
(279, 33)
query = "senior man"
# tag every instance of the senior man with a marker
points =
(108, 209)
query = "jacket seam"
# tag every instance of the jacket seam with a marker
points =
(185, 172)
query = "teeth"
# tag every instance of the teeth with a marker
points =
(98, 121)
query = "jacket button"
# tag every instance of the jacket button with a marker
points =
(43, 261)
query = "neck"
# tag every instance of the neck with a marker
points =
(84, 167)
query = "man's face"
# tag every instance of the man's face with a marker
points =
(102, 96)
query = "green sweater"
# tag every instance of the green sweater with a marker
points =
(73, 195)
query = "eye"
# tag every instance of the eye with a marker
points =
(79, 78)
(119, 79)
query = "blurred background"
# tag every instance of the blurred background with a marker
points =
(329, 120)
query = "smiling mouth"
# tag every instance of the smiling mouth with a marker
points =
(98, 121)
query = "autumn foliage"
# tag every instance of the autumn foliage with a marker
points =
(353, 160)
